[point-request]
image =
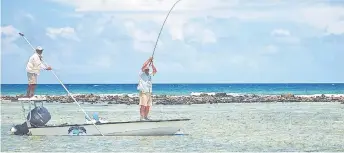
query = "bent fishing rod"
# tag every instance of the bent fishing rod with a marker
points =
(156, 42)
(157, 39)
(22, 35)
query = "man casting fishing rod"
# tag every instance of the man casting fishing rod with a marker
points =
(33, 68)
(145, 88)
(145, 84)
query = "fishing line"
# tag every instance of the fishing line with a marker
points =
(21, 34)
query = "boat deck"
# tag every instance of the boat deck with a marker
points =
(35, 98)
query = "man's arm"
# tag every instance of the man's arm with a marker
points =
(154, 69)
(37, 61)
(43, 66)
(146, 64)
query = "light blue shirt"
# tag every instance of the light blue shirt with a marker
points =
(145, 82)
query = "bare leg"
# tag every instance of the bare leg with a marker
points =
(147, 108)
(28, 90)
(146, 111)
(33, 87)
(32, 78)
(142, 111)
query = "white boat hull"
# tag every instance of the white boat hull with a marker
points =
(132, 128)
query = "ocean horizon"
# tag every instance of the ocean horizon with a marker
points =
(181, 88)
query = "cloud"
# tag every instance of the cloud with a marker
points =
(209, 36)
(23, 16)
(156, 11)
(144, 32)
(323, 17)
(9, 35)
(65, 32)
(284, 36)
(181, 26)
(196, 31)
(280, 33)
(9, 31)
(30, 16)
(317, 14)
(143, 40)
(270, 49)
(102, 61)
(336, 28)
(146, 5)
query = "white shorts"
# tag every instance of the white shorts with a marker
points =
(32, 78)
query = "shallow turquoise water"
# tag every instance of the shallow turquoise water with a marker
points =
(218, 127)
(182, 89)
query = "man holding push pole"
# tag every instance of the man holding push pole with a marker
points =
(33, 68)
(145, 88)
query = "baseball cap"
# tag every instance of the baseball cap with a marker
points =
(39, 48)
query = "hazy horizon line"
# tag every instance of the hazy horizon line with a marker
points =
(189, 83)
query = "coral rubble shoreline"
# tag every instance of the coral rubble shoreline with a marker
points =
(186, 100)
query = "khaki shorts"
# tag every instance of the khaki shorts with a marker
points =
(32, 78)
(145, 98)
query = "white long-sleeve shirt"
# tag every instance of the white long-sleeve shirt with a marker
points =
(35, 64)
(145, 82)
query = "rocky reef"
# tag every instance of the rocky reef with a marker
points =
(188, 100)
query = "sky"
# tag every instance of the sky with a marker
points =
(203, 41)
